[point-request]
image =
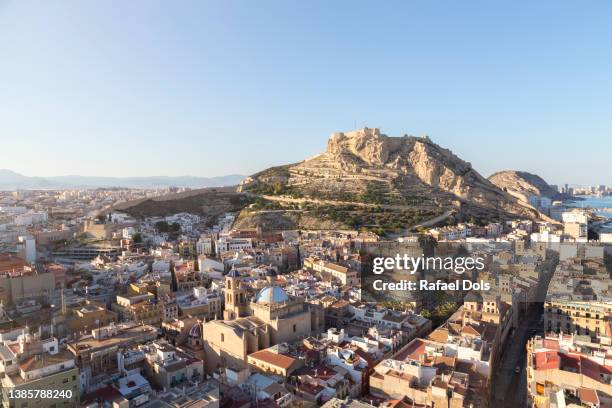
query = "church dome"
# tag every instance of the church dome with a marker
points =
(271, 294)
(233, 273)
(196, 331)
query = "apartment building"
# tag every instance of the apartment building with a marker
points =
(96, 354)
(582, 318)
(33, 364)
(343, 274)
(168, 366)
(566, 369)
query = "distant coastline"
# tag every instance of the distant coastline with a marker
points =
(601, 204)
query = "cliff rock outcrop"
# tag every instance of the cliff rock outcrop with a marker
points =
(367, 166)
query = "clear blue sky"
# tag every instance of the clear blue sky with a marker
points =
(209, 88)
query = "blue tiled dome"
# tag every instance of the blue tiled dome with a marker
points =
(196, 331)
(271, 294)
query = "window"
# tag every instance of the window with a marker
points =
(222, 337)
(294, 328)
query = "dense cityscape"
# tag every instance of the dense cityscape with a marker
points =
(303, 204)
(170, 311)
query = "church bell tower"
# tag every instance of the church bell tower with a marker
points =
(235, 296)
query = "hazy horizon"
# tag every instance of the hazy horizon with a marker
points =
(206, 89)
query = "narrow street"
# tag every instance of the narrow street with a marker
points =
(509, 386)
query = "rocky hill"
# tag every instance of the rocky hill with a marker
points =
(522, 184)
(370, 177)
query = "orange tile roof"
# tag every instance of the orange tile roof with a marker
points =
(337, 268)
(275, 359)
(589, 396)
(439, 335)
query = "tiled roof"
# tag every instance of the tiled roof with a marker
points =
(275, 359)
(439, 335)
(589, 396)
(546, 360)
(412, 351)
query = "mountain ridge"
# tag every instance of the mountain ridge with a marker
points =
(10, 180)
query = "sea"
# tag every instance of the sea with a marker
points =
(604, 204)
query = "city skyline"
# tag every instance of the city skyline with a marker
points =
(210, 89)
(282, 203)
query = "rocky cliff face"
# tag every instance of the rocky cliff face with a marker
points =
(368, 166)
(522, 184)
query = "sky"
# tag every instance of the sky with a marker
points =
(208, 88)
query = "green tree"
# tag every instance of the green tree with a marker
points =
(162, 226)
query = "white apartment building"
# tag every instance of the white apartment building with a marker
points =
(31, 218)
(575, 215)
(225, 244)
(204, 246)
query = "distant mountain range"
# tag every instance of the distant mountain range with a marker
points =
(10, 180)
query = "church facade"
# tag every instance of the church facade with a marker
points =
(270, 318)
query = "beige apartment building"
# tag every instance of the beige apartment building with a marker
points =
(562, 368)
(98, 352)
(139, 308)
(88, 316)
(586, 318)
(575, 230)
(42, 372)
(343, 274)
(25, 284)
(168, 366)
(273, 361)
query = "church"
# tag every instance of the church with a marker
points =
(270, 318)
